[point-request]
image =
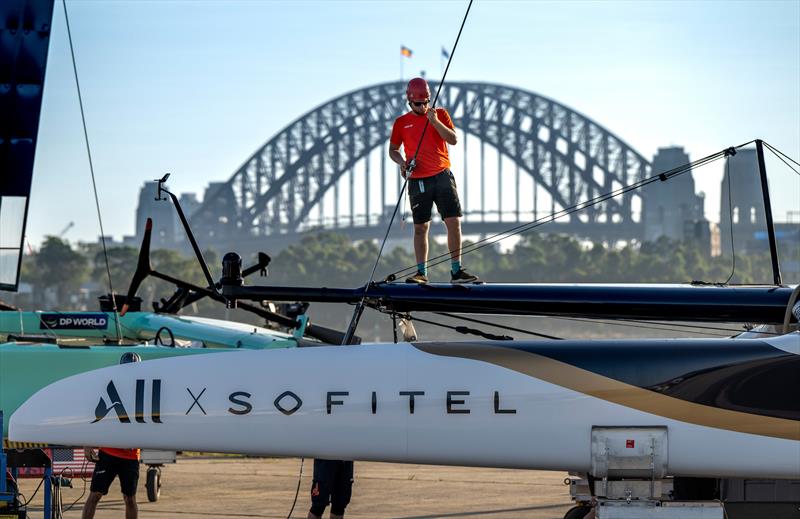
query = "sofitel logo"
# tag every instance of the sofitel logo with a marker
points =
(288, 402)
(115, 403)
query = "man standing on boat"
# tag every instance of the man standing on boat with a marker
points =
(429, 178)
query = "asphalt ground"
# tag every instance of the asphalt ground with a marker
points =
(225, 487)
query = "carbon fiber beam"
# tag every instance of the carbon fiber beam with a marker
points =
(756, 304)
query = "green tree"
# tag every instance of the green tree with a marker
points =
(60, 267)
(122, 264)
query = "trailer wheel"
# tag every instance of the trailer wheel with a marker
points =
(577, 512)
(153, 483)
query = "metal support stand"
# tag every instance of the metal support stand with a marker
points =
(25, 458)
(5, 495)
(48, 493)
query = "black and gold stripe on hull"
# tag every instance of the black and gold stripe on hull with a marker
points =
(532, 359)
(23, 445)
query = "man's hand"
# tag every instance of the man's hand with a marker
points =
(90, 454)
(408, 169)
(397, 158)
(432, 117)
(445, 132)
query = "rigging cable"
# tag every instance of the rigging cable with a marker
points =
(351, 329)
(527, 226)
(782, 153)
(625, 322)
(659, 326)
(618, 322)
(781, 156)
(575, 208)
(91, 169)
(689, 326)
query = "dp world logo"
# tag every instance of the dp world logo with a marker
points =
(76, 321)
(111, 401)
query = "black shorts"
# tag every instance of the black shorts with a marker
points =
(439, 189)
(108, 467)
(333, 483)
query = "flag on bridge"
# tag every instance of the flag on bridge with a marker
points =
(405, 51)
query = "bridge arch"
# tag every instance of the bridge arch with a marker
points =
(569, 155)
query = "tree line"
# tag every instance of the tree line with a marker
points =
(330, 259)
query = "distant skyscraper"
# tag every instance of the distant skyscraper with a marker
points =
(742, 205)
(219, 220)
(189, 204)
(162, 213)
(672, 208)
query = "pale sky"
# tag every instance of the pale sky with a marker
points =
(195, 87)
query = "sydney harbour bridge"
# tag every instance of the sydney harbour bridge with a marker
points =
(520, 156)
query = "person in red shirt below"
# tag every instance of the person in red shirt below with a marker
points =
(429, 179)
(111, 463)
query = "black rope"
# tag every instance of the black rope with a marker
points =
(497, 325)
(91, 169)
(782, 153)
(692, 326)
(83, 492)
(351, 329)
(28, 501)
(653, 325)
(617, 322)
(413, 162)
(465, 330)
(419, 144)
(297, 490)
(659, 326)
(626, 322)
(490, 240)
(774, 152)
(521, 228)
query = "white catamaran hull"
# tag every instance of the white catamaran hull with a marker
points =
(404, 402)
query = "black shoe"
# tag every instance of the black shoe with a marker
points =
(462, 276)
(418, 278)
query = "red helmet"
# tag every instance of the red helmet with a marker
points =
(417, 90)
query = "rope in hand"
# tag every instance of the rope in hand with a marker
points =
(351, 329)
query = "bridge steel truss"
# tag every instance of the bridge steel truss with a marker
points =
(570, 156)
